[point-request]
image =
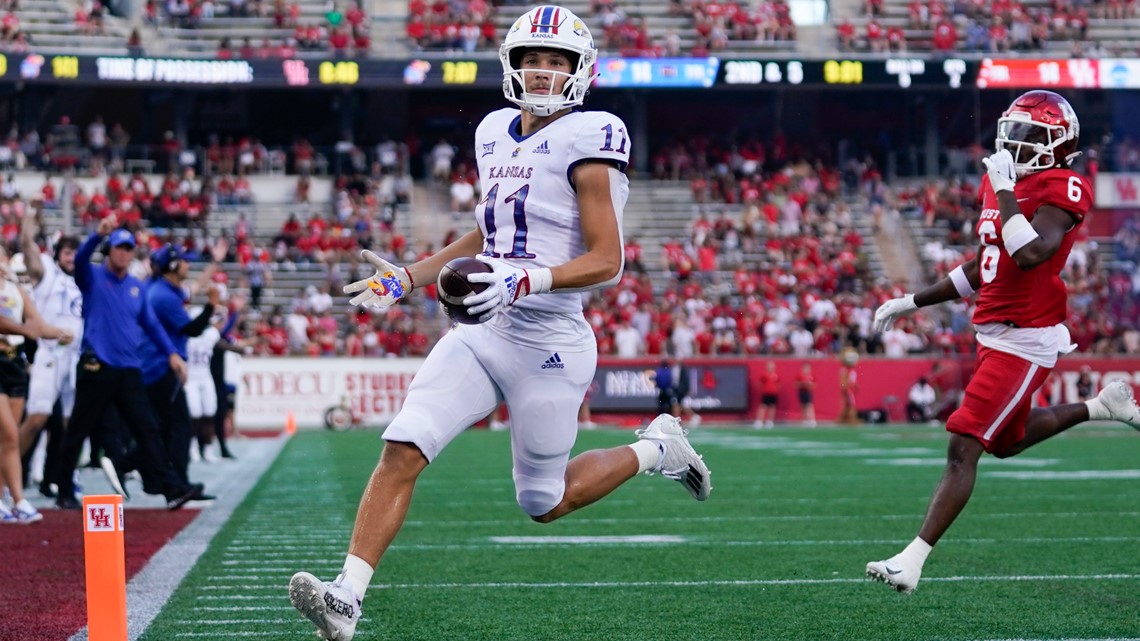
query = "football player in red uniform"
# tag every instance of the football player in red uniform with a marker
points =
(1032, 205)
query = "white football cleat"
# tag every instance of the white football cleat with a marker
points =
(332, 607)
(680, 461)
(1118, 399)
(896, 572)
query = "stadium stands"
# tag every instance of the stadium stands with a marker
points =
(54, 27)
(1050, 28)
(620, 28)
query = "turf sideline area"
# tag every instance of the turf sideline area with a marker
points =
(151, 588)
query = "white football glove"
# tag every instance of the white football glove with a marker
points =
(1000, 169)
(506, 284)
(384, 288)
(889, 311)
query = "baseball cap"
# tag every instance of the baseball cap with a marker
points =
(122, 237)
(164, 256)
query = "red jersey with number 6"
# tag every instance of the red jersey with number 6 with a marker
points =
(1035, 297)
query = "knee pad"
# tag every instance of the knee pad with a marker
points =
(537, 497)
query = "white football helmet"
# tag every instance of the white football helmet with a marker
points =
(548, 27)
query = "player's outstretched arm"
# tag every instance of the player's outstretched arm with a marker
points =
(960, 283)
(392, 283)
(963, 281)
(32, 261)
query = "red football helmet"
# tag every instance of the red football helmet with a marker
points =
(1041, 130)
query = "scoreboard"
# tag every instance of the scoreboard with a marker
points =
(951, 73)
(650, 73)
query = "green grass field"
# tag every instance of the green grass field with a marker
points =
(777, 552)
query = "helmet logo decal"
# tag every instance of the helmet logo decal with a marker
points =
(546, 20)
(580, 29)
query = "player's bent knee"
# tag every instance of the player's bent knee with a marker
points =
(540, 500)
(963, 450)
(403, 457)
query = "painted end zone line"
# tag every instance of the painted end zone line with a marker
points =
(586, 540)
(739, 582)
(1076, 475)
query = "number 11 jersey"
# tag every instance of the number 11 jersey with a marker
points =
(529, 212)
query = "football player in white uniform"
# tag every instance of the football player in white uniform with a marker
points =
(201, 390)
(61, 304)
(549, 226)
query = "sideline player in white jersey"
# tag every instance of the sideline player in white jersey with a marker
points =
(1032, 205)
(201, 395)
(549, 226)
(201, 391)
(61, 304)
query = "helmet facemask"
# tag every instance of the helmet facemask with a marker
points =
(1032, 144)
(574, 90)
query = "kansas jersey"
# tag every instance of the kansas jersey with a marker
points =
(59, 301)
(529, 212)
(199, 351)
(1033, 297)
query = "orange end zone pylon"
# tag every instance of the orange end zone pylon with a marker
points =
(105, 558)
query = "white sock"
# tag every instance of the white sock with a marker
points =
(649, 453)
(25, 506)
(1097, 410)
(918, 550)
(358, 574)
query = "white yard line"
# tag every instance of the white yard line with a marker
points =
(253, 580)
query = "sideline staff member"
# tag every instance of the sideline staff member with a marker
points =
(165, 387)
(115, 315)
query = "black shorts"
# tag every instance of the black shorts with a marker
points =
(13, 376)
(769, 399)
(805, 397)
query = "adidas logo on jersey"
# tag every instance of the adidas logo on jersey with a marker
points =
(544, 148)
(554, 362)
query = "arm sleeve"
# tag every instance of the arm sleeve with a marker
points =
(83, 268)
(198, 325)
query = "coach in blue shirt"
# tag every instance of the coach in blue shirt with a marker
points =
(167, 300)
(115, 316)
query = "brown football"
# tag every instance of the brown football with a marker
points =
(452, 287)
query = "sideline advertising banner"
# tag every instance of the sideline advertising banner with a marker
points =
(624, 391)
(270, 388)
(630, 386)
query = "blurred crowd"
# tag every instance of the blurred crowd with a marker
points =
(985, 26)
